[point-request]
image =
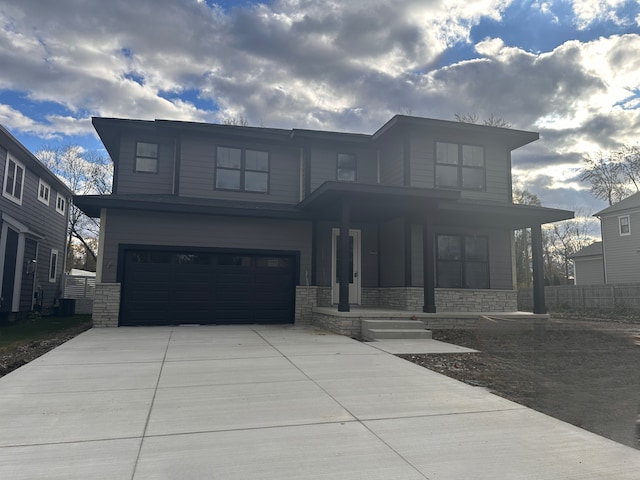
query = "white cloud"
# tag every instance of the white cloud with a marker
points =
(589, 11)
(334, 65)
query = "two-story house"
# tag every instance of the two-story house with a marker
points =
(33, 230)
(232, 224)
(617, 258)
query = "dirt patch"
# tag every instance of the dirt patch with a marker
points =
(581, 370)
(19, 355)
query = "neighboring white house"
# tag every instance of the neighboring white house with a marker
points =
(589, 265)
(619, 251)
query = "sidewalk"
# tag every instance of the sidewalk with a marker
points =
(272, 402)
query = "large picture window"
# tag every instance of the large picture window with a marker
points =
(463, 261)
(13, 180)
(460, 166)
(242, 169)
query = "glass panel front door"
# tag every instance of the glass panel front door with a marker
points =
(354, 266)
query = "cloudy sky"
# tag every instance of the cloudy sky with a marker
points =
(569, 69)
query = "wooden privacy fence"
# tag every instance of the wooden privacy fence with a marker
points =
(585, 297)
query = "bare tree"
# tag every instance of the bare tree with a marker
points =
(238, 120)
(490, 121)
(568, 237)
(466, 117)
(85, 173)
(615, 176)
(522, 241)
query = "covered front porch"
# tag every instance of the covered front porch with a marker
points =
(407, 271)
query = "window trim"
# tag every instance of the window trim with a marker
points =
(63, 210)
(53, 266)
(156, 158)
(628, 225)
(243, 170)
(11, 196)
(354, 169)
(463, 261)
(461, 167)
(47, 189)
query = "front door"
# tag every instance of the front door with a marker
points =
(354, 266)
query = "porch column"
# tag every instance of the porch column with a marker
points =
(343, 296)
(539, 305)
(429, 267)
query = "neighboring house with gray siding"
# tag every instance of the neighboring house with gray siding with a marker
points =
(588, 265)
(33, 230)
(232, 224)
(620, 229)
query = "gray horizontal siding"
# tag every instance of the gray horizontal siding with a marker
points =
(497, 161)
(42, 219)
(392, 161)
(129, 181)
(197, 170)
(589, 271)
(621, 252)
(324, 164)
(150, 228)
(392, 244)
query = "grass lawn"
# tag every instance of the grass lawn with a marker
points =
(28, 330)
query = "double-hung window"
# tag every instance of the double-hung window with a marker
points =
(13, 180)
(625, 225)
(61, 204)
(43, 192)
(242, 169)
(463, 261)
(146, 157)
(460, 166)
(346, 171)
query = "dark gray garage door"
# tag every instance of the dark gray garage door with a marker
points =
(169, 287)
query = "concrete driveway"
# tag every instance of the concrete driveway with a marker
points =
(272, 402)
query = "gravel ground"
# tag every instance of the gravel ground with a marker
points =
(18, 356)
(581, 369)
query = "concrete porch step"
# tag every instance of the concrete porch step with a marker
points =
(385, 329)
(397, 333)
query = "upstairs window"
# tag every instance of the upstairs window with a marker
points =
(346, 171)
(146, 157)
(242, 170)
(43, 192)
(460, 166)
(463, 261)
(13, 180)
(61, 204)
(625, 225)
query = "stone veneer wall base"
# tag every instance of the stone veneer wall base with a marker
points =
(106, 305)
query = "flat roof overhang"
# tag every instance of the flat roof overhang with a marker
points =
(498, 215)
(367, 203)
(92, 204)
(372, 202)
(375, 202)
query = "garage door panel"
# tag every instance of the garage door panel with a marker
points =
(206, 287)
